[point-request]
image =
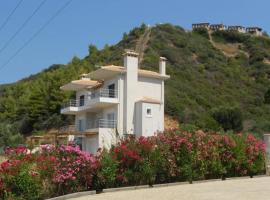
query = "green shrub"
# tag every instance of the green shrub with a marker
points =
(229, 36)
(203, 32)
(230, 118)
(107, 174)
(25, 186)
(267, 97)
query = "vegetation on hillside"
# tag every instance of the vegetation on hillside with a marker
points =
(203, 79)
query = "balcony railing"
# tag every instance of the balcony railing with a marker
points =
(107, 93)
(101, 123)
(71, 103)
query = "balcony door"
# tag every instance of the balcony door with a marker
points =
(81, 100)
(111, 89)
(111, 120)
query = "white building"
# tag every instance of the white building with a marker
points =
(201, 25)
(240, 29)
(257, 31)
(217, 27)
(117, 100)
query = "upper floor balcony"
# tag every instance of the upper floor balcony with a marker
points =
(101, 98)
(94, 126)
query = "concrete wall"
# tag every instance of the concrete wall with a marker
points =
(121, 105)
(149, 87)
(147, 125)
(130, 91)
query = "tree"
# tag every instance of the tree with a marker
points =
(230, 118)
(9, 135)
(267, 97)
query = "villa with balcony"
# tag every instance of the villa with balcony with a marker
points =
(201, 25)
(257, 31)
(239, 29)
(117, 100)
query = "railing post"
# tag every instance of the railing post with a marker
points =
(266, 138)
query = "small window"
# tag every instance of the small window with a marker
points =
(148, 112)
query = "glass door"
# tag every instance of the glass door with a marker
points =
(111, 89)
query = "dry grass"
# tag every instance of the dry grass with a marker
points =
(229, 49)
(266, 61)
(170, 122)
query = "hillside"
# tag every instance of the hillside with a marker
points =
(225, 70)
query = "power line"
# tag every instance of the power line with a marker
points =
(10, 15)
(36, 34)
(22, 26)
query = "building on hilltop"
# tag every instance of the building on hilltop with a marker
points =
(240, 29)
(217, 27)
(254, 31)
(117, 100)
(201, 25)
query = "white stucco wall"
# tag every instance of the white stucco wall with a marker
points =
(120, 107)
(130, 92)
(147, 125)
(107, 137)
(149, 87)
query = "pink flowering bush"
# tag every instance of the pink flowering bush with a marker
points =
(255, 151)
(69, 168)
(132, 156)
(167, 157)
(50, 172)
(19, 177)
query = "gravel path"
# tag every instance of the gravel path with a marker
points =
(237, 189)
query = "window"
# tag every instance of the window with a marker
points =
(82, 100)
(111, 89)
(148, 112)
(80, 128)
(78, 141)
(111, 120)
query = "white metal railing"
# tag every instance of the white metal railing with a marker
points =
(108, 93)
(71, 103)
(101, 123)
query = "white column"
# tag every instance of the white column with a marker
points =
(130, 90)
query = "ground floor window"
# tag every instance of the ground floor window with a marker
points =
(78, 141)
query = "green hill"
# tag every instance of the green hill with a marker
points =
(209, 75)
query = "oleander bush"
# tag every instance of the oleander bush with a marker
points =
(170, 156)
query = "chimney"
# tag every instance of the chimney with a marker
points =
(130, 88)
(131, 60)
(162, 65)
(84, 77)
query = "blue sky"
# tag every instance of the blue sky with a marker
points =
(102, 22)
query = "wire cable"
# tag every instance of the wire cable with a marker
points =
(22, 26)
(35, 34)
(10, 15)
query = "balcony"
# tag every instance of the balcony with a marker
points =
(101, 123)
(96, 126)
(101, 98)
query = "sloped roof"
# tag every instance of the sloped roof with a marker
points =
(149, 100)
(80, 84)
(112, 70)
